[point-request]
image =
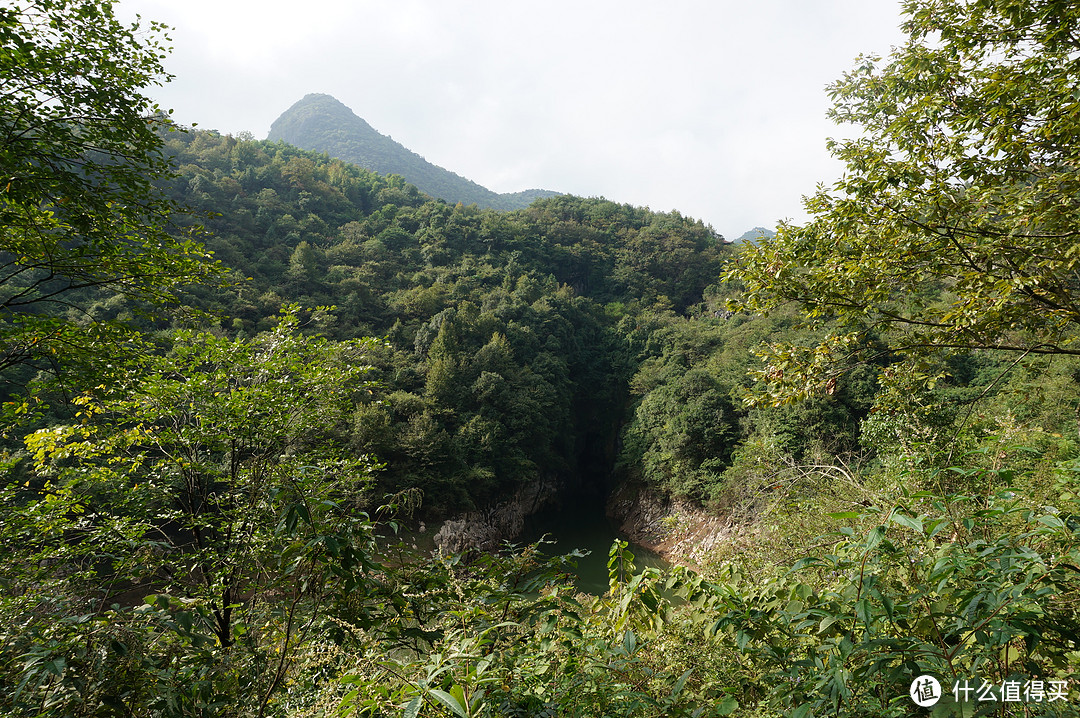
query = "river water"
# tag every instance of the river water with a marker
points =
(581, 523)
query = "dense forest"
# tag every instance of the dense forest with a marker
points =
(502, 356)
(235, 370)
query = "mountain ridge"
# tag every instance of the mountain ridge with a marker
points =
(322, 123)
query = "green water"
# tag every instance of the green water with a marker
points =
(581, 524)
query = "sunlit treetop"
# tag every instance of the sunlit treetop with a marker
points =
(956, 224)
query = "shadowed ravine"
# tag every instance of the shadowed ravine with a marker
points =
(581, 523)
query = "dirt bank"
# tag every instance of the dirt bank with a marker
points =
(679, 531)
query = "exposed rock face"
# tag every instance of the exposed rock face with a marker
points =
(485, 529)
(677, 530)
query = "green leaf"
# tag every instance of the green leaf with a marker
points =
(629, 642)
(449, 701)
(874, 537)
(806, 562)
(727, 706)
(864, 611)
(679, 684)
(1051, 521)
(55, 666)
(913, 523)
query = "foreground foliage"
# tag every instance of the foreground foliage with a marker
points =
(206, 503)
(976, 591)
(204, 533)
(80, 149)
(955, 225)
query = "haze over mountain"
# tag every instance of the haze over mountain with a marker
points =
(320, 123)
(755, 234)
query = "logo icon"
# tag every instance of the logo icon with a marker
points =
(925, 691)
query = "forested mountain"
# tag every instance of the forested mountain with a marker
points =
(504, 358)
(516, 341)
(321, 123)
(234, 370)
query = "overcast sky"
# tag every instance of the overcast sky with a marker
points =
(715, 108)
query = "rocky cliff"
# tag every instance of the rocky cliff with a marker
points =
(677, 530)
(485, 529)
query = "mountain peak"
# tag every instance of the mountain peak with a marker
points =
(322, 123)
(755, 235)
(317, 104)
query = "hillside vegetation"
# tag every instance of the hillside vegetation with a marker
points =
(233, 370)
(321, 123)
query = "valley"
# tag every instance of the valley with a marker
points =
(813, 468)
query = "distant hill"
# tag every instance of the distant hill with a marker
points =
(753, 235)
(323, 124)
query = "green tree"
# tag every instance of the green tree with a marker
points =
(955, 226)
(80, 148)
(845, 632)
(682, 434)
(171, 548)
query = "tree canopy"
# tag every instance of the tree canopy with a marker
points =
(80, 149)
(955, 224)
(207, 532)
